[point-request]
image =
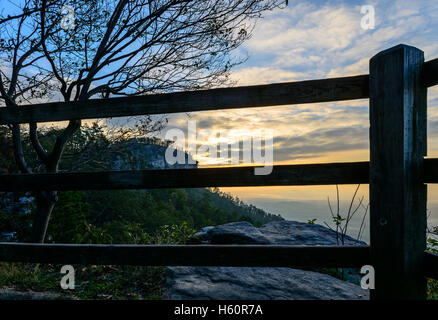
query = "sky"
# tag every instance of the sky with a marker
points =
(314, 40)
(323, 39)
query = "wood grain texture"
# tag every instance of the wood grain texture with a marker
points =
(188, 255)
(397, 195)
(282, 175)
(336, 89)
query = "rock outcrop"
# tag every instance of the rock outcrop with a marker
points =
(140, 154)
(236, 283)
(253, 283)
(277, 232)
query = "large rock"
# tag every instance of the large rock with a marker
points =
(231, 233)
(236, 283)
(276, 232)
(224, 283)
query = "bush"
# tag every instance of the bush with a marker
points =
(432, 284)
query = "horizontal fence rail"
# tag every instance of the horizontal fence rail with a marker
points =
(199, 255)
(431, 265)
(188, 255)
(282, 175)
(430, 73)
(312, 91)
(430, 171)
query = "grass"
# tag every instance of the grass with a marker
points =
(91, 282)
(99, 282)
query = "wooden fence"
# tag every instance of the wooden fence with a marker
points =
(397, 175)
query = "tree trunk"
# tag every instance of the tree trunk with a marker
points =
(46, 201)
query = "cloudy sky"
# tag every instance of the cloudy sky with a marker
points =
(321, 39)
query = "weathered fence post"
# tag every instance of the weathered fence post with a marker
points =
(397, 197)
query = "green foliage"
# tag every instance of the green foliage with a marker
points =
(432, 284)
(69, 218)
(125, 216)
(133, 216)
(432, 289)
(91, 282)
(173, 234)
(101, 282)
(120, 282)
(89, 149)
(432, 243)
(12, 221)
(6, 150)
(26, 277)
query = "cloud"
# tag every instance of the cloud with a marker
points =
(264, 75)
(300, 131)
(321, 141)
(320, 39)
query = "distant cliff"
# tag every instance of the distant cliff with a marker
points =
(147, 153)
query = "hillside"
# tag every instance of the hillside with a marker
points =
(123, 216)
(127, 216)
